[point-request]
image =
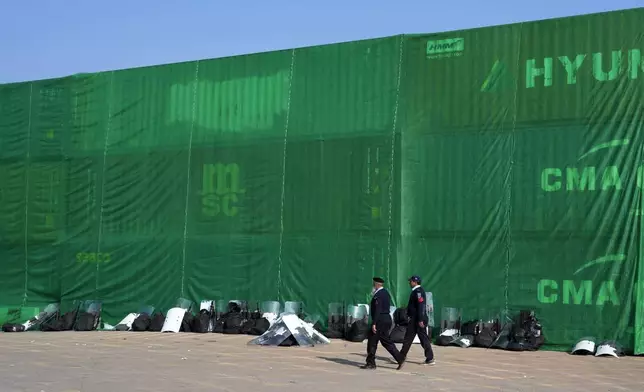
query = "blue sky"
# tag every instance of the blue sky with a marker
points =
(49, 38)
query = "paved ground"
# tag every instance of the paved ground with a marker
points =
(128, 361)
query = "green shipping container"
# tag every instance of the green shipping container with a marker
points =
(502, 164)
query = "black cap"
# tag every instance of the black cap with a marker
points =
(378, 280)
(415, 278)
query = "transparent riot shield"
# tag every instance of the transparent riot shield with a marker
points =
(503, 339)
(429, 305)
(270, 310)
(357, 326)
(241, 307)
(88, 315)
(289, 326)
(355, 313)
(336, 321)
(183, 303)
(49, 313)
(146, 309)
(221, 308)
(207, 304)
(293, 307)
(585, 346)
(450, 321)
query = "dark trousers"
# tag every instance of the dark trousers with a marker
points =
(414, 329)
(382, 336)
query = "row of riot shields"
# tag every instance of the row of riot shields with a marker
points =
(81, 316)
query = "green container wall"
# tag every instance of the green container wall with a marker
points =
(300, 174)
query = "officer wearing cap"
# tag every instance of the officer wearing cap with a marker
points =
(418, 320)
(380, 325)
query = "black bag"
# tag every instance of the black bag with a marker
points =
(358, 331)
(485, 338)
(186, 322)
(86, 322)
(397, 334)
(156, 324)
(233, 323)
(400, 317)
(336, 327)
(142, 323)
(64, 323)
(471, 328)
(261, 326)
(529, 332)
(444, 340)
(219, 325)
(201, 322)
(9, 327)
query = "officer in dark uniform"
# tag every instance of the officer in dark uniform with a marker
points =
(380, 325)
(418, 320)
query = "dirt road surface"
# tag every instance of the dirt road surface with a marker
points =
(130, 361)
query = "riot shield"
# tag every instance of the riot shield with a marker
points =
(221, 307)
(357, 323)
(175, 315)
(609, 348)
(146, 309)
(49, 313)
(183, 303)
(450, 321)
(289, 330)
(429, 306)
(336, 321)
(293, 307)
(584, 346)
(270, 310)
(88, 316)
(242, 306)
(366, 308)
(209, 306)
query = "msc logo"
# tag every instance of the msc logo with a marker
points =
(221, 189)
(581, 292)
(451, 47)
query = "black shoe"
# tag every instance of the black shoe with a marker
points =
(429, 362)
(400, 364)
(368, 366)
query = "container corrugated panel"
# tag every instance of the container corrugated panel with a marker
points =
(51, 119)
(15, 110)
(147, 111)
(559, 70)
(345, 89)
(238, 98)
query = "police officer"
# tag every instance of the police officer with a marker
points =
(418, 320)
(380, 325)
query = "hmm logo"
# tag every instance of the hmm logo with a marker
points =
(221, 189)
(451, 47)
(581, 292)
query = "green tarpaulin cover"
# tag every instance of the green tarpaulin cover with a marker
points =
(503, 165)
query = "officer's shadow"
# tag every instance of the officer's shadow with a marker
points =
(378, 358)
(349, 362)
